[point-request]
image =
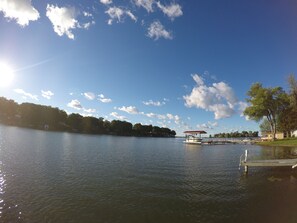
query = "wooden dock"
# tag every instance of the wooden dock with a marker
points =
(265, 163)
(226, 141)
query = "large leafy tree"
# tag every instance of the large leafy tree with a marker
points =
(288, 118)
(266, 102)
(293, 100)
(293, 91)
(265, 125)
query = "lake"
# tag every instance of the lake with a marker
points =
(63, 177)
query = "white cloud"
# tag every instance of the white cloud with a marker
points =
(142, 22)
(154, 103)
(162, 117)
(114, 13)
(90, 110)
(117, 116)
(131, 15)
(218, 98)
(209, 125)
(117, 14)
(172, 11)
(151, 115)
(87, 114)
(162, 124)
(106, 2)
(103, 99)
(203, 126)
(176, 118)
(242, 106)
(87, 14)
(198, 79)
(26, 94)
(147, 4)
(156, 30)
(213, 124)
(89, 95)
(75, 104)
(226, 92)
(63, 20)
(47, 94)
(168, 116)
(130, 110)
(87, 25)
(20, 10)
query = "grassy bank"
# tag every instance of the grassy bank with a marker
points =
(280, 142)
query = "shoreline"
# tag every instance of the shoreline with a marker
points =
(290, 142)
(83, 133)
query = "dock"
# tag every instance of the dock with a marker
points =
(224, 142)
(265, 163)
(194, 137)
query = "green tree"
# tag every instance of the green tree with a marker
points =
(106, 126)
(122, 128)
(75, 121)
(287, 121)
(156, 131)
(142, 130)
(8, 111)
(244, 134)
(90, 125)
(291, 118)
(266, 102)
(265, 125)
(293, 90)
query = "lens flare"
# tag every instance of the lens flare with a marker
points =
(6, 74)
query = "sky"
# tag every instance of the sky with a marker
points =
(185, 65)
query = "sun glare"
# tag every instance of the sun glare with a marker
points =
(6, 74)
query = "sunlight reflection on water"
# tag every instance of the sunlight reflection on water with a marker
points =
(2, 189)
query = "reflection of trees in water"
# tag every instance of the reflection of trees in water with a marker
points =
(278, 152)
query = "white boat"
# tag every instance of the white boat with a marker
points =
(194, 137)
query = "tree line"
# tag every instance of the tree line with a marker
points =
(273, 107)
(42, 117)
(237, 134)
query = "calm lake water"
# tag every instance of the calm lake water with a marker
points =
(62, 177)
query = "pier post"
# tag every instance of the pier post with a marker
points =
(246, 168)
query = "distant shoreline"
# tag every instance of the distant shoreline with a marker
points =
(41, 117)
(83, 133)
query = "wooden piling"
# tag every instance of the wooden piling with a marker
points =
(246, 168)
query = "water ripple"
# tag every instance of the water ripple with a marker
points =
(61, 177)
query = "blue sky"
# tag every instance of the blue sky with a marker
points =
(180, 64)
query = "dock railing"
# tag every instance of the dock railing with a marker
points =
(265, 163)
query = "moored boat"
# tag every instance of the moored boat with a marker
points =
(194, 137)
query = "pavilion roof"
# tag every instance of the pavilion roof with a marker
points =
(195, 132)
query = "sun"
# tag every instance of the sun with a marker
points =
(6, 74)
